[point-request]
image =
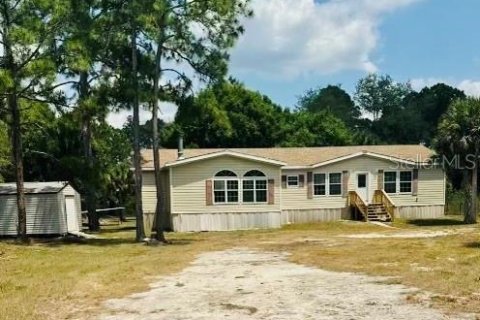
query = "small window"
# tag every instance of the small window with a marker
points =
(362, 181)
(335, 184)
(292, 181)
(390, 182)
(406, 181)
(254, 187)
(319, 184)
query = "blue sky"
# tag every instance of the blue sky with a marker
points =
(293, 45)
(422, 41)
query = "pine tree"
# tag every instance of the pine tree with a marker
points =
(193, 35)
(27, 71)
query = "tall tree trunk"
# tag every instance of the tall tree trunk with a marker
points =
(466, 193)
(91, 200)
(16, 132)
(159, 219)
(472, 216)
(140, 228)
(18, 160)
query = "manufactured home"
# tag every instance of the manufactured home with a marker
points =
(234, 189)
(53, 208)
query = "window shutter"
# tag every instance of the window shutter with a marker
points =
(208, 192)
(345, 176)
(415, 182)
(284, 182)
(380, 180)
(309, 185)
(271, 191)
(301, 180)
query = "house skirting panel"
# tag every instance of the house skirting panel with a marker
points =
(229, 221)
(314, 215)
(420, 212)
(225, 221)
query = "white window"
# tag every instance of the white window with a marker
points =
(319, 184)
(405, 181)
(335, 184)
(390, 182)
(225, 187)
(254, 187)
(397, 181)
(292, 181)
(327, 184)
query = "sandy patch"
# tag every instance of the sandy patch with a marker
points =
(326, 242)
(382, 224)
(412, 234)
(244, 284)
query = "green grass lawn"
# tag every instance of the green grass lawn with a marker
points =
(70, 279)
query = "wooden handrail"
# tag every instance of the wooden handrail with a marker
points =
(355, 200)
(381, 197)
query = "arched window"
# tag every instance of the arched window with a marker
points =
(254, 173)
(225, 173)
(254, 187)
(225, 187)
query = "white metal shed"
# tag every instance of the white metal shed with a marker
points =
(52, 208)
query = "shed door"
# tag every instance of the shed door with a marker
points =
(71, 211)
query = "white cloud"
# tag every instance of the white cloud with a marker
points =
(470, 87)
(167, 114)
(298, 37)
(420, 83)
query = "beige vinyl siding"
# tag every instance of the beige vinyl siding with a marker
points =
(149, 195)
(296, 197)
(431, 185)
(431, 190)
(45, 214)
(188, 185)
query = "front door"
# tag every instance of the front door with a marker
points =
(362, 186)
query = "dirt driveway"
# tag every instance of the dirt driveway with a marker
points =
(244, 284)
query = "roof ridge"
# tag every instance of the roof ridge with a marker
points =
(298, 156)
(286, 148)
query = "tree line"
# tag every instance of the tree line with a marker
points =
(66, 64)
(228, 114)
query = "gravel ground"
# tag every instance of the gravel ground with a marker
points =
(243, 284)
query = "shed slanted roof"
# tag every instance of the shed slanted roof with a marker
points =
(33, 187)
(300, 157)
